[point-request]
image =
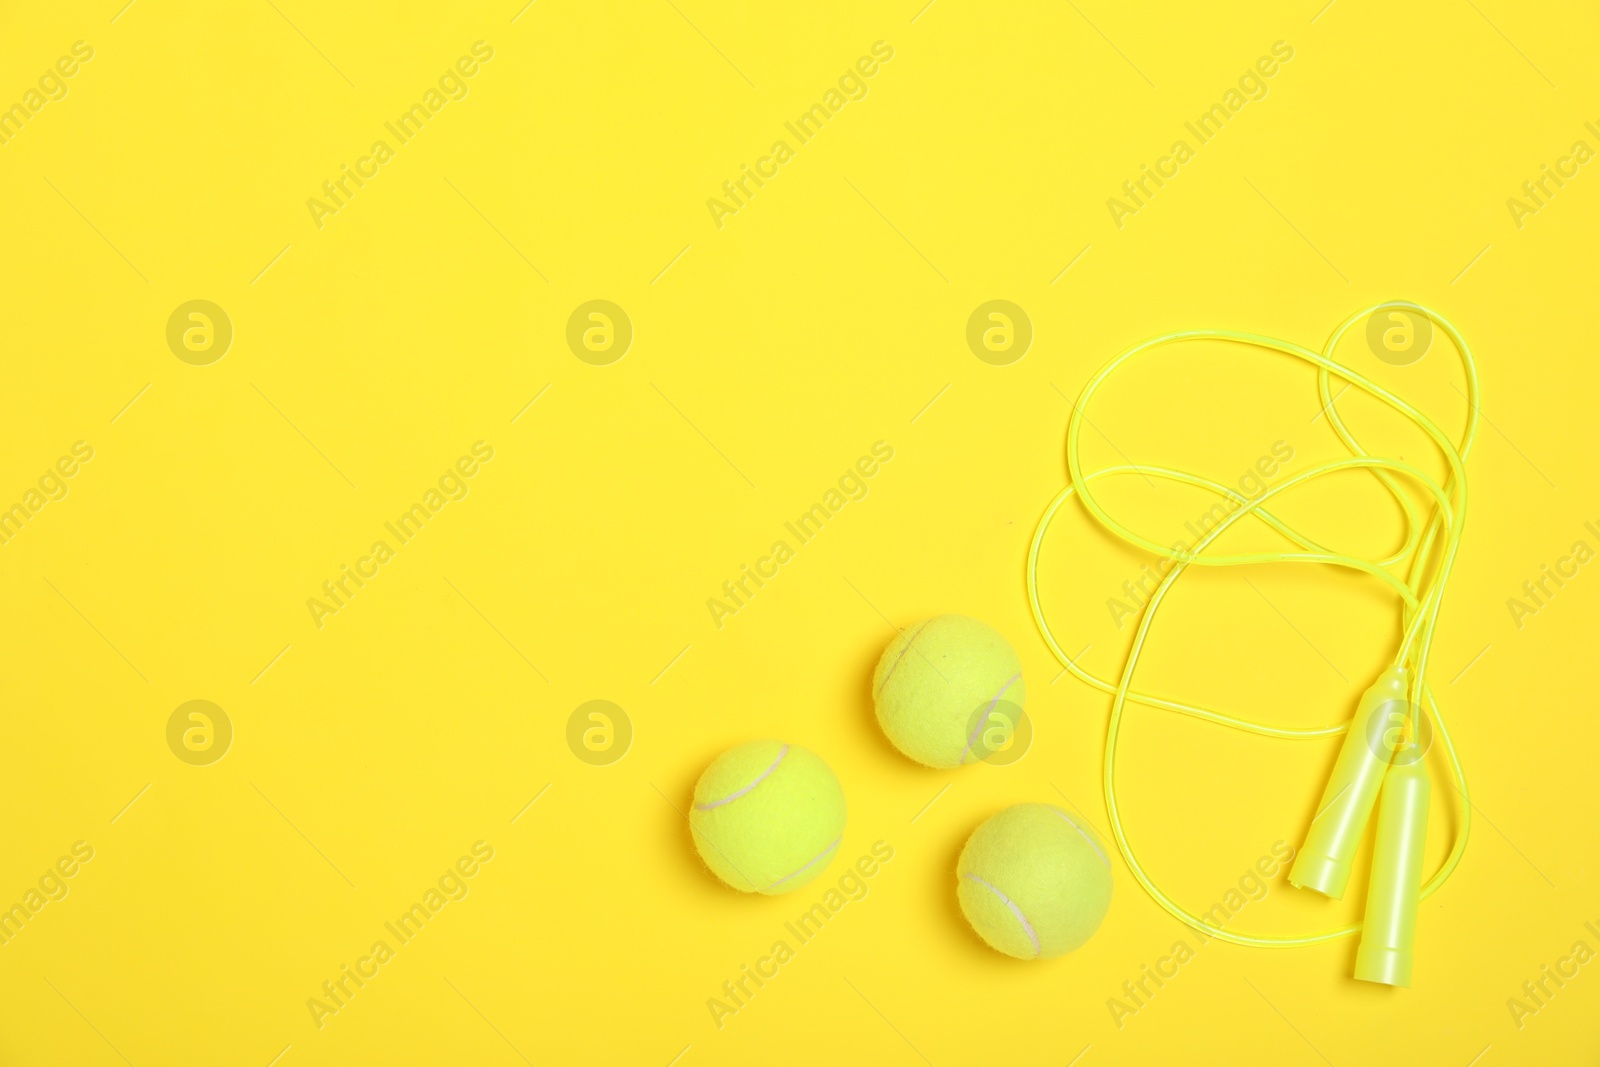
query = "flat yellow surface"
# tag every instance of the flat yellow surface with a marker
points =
(407, 742)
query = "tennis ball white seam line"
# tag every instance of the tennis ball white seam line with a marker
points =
(1027, 927)
(1084, 834)
(897, 660)
(984, 719)
(763, 776)
(824, 854)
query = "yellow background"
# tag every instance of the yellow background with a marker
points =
(370, 753)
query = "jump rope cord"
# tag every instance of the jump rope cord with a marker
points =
(1430, 545)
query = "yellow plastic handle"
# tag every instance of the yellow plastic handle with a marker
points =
(1391, 926)
(1346, 805)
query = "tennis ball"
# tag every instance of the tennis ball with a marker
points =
(943, 684)
(1033, 882)
(767, 816)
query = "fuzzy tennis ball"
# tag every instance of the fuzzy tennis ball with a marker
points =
(767, 816)
(1033, 882)
(940, 687)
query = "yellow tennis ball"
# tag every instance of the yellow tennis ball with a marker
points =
(1034, 882)
(767, 816)
(942, 685)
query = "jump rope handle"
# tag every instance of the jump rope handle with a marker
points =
(1368, 763)
(1346, 805)
(1396, 883)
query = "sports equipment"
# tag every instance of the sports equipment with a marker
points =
(1370, 760)
(1033, 882)
(944, 684)
(767, 816)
